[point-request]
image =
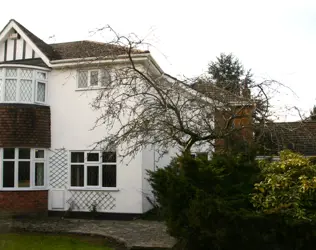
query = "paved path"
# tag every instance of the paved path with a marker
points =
(137, 233)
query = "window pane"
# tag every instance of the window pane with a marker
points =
(94, 75)
(109, 176)
(41, 75)
(26, 73)
(83, 79)
(8, 153)
(26, 90)
(39, 154)
(77, 157)
(24, 174)
(10, 90)
(93, 157)
(77, 175)
(109, 157)
(8, 174)
(11, 73)
(41, 92)
(93, 175)
(39, 174)
(24, 153)
(106, 77)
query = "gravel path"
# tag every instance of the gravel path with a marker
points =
(133, 234)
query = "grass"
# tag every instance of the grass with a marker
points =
(14, 241)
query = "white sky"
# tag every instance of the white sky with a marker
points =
(276, 38)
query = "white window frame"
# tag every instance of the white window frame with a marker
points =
(32, 161)
(86, 164)
(18, 78)
(89, 86)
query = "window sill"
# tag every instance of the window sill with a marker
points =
(94, 189)
(23, 189)
(89, 88)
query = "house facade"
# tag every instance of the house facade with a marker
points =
(47, 161)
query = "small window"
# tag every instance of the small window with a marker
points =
(108, 157)
(77, 157)
(105, 78)
(24, 153)
(93, 175)
(41, 75)
(8, 153)
(77, 175)
(83, 79)
(8, 174)
(10, 90)
(109, 176)
(24, 174)
(94, 78)
(11, 72)
(26, 90)
(41, 92)
(39, 174)
(93, 157)
(39, 154)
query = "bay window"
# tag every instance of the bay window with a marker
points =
(22, 168)
(92, 169)
(23, 85)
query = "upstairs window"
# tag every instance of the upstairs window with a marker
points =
(22, 85)
(93, 78)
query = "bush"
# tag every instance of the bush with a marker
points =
(288, 187)
(206, 205)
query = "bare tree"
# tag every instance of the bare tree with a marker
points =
(142, 106)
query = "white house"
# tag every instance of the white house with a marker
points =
(46, 161)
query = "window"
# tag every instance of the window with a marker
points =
(93, 78)
(23, 168)
(200, 155)
(93, 169)
(22, 85)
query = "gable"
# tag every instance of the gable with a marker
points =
(15, 48)
(17, 43)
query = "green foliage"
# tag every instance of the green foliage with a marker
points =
(199, 199)
(288, 187)
(228, 73)
(208, 204)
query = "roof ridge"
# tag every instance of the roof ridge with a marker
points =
(78, 41)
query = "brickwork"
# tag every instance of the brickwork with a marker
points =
(25, 125)
(23, 202)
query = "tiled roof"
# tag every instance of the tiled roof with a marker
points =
(34, 62)
(78, 49)
(44, 47)
(84, 49)
(297, 136)
(221, 95)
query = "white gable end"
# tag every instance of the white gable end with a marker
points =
(16, 45)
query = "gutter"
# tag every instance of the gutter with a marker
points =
(87, 59)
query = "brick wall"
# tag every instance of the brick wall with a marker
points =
(243, 119)
(25, 125)
(23, 202)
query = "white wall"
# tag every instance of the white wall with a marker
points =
(71, 122)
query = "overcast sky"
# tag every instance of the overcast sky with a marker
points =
(277, 39)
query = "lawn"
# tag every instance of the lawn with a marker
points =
(14, 241)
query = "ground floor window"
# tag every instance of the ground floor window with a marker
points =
(92, 169)
(22, 168)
